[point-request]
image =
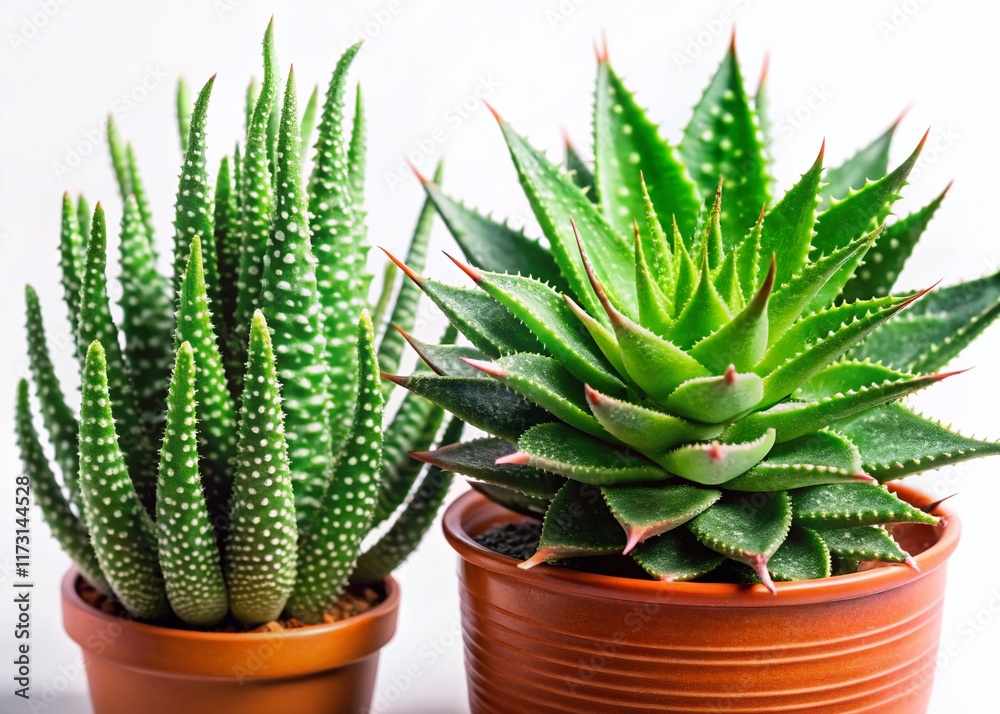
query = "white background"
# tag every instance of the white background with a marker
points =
(842, 73)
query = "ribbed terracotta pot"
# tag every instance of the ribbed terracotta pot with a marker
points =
(133, 668)
(555, 640)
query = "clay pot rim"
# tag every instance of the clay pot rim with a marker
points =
(384, 608)
(472, 509)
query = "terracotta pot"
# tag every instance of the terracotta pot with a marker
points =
(555, 640)
(137, 668)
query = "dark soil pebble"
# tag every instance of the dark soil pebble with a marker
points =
(517, 540)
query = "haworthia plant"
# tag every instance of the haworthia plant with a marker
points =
(200, 481)
(716, 375)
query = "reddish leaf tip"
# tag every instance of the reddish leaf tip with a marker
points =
(944, 375)
(418, 347)
(601, 48)
(916, 296)
(489, 368)
(759, 565)
(399, 379)
(763, 295)
(540, 556)
(472, 272)
(764, 69)
(494, 112)
(594, 282)
(635, 537)
(594, 398)
(431, 457)
(860, 476)
(899, 119)
(910, 561)
(518, 458)
(407, 270)
(416, 172)
(567, 142)
(927, 508)
(822, 151)
(923, 140)
(715, 451)
(422, 456)
(946, 189)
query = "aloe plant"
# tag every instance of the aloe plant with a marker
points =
(229, 459)
(689, 371)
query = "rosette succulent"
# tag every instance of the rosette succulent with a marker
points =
(229, 458)
(689, 370)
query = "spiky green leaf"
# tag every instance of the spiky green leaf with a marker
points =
(478, 459)
(329, 549)
(626, 143)
(121, 531)
(562, 450)
(188, 553)
(849, 505)
(260, 547)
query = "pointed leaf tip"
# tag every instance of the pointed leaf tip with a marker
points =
(916, 296)
(594, 398)
(595, 283)
(537, 559)
(927, 508)
(730, 375)
(768, 285)
(912, 563)
(494, 112)
(759, 565)
(472, 272)
(765, 68)
(424, 181)
(941, 376)
(489, 368)
(923, 141)
(518, 458)
(399, 379)
(635, 537)
(601, 49)
(407, 270)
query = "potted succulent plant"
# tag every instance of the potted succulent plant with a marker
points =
(229, 461)
(691, 398)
